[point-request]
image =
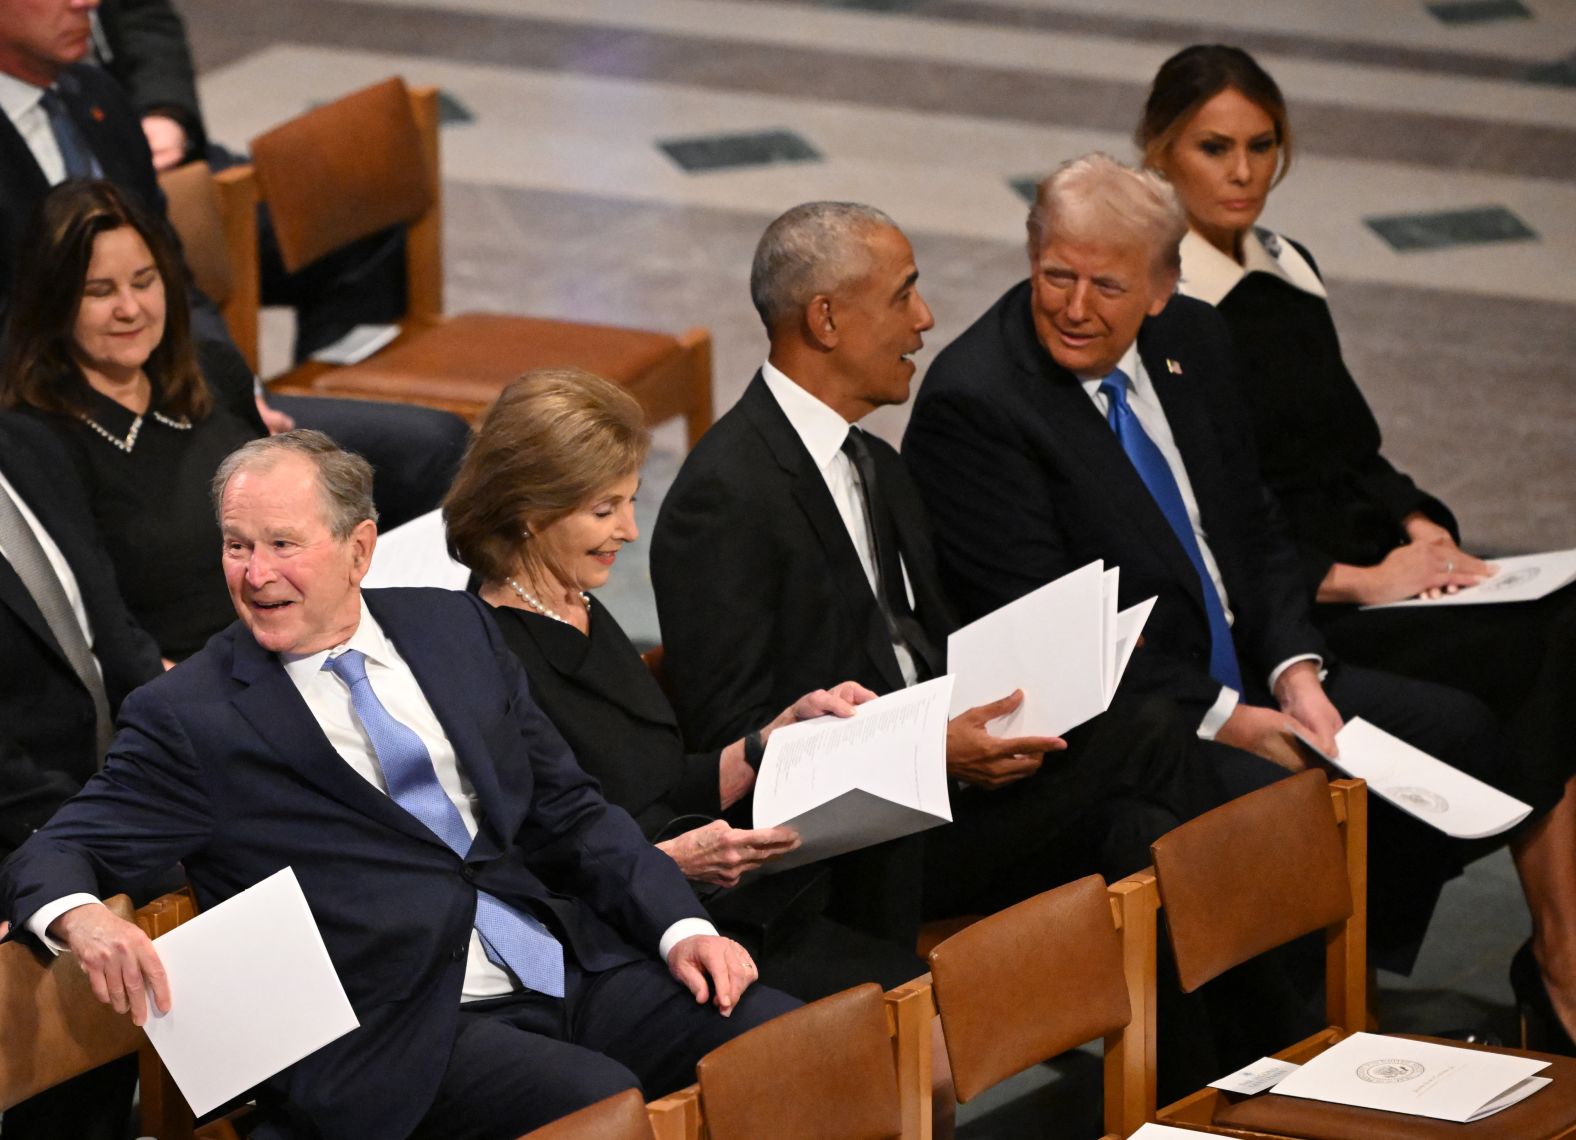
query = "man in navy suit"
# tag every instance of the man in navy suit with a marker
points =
(496, 924)
(1091, 414)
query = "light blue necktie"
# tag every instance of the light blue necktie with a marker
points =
(1156, 474)
(74, 151)
(513, 940)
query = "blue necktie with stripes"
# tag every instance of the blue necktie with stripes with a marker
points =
(1156, 474)
(513, 940)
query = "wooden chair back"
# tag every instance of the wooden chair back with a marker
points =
(215, 217)
(54, 1027)
(619, 1117)
(824, 1071)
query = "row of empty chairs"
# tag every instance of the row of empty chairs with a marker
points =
(323, 196)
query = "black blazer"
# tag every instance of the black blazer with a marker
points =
(112, 131)
(760, 591)
(219, 764)
(47, 742)
(620, 726)
(1025, 481)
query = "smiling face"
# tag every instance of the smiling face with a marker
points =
(579, 549)
(39, 38)
(120, 319)
(1222, 164)
(878, 323)
(1090, 297)
(294, 585)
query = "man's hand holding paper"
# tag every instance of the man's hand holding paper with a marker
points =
(117, 957)
(985, 761)
(722, 854)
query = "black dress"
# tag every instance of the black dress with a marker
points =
(1319, 448)
(622, 729)
(152, 507)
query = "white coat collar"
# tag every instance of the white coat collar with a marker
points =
(1209, 275)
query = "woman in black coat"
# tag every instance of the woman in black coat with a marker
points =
(543, 502)
(1216, 125)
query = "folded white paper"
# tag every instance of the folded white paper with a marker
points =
(1065, 645)
(1265, 1073)
(357, 344)
(848, 782)
(1524, 578)
(416, 554)
(1153, 1131)
(252, 991)
(1421, 1078)
(1417, 783)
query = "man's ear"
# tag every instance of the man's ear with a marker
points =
(1165, 289)
(819, 322)
(363, 539)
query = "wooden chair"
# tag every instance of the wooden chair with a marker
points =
(215, 216)
(824, 1071)
(1257, 873)
(323, 195)
(1033, 981)
(619, 1117)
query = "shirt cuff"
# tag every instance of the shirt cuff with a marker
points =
(680, 930)
(1318, 663)
(47, 913)
(1219, 713)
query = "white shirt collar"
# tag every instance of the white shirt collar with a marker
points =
(1209, 275)
(369, 638)
(1132, 364)
(17, 97)
(819, 428)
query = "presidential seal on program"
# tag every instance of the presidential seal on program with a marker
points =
(1390, 1071)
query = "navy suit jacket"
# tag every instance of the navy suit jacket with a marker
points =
(1025, 481)
(48, 747)
(760, 592)
(220, 764)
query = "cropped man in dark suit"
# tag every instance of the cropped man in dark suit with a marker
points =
(1090, 414)
(69, 654)
(495, 923)
(780, 561)
(67, 119)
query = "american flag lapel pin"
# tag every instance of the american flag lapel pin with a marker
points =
(1173, 367)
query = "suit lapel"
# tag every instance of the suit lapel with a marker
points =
(13, 592)
(598, 670)
(1191, 428)
(271, 704)
(815, 501)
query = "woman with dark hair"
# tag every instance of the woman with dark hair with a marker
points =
(539, 511)
(1216, 125)
(99, 347)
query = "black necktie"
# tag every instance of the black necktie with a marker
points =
(891, 594)
(74, 151)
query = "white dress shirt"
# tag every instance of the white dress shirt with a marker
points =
(822, 432)
(328, 699)
(20, 100)
(57, 563)
(1145, 403)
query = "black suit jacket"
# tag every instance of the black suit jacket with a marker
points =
(220, 764)
(47, 741)
(760, 591)
(112, 131)
(1025, 481)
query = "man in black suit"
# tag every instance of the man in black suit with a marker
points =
(1089, 414)
(496, 924)
(67, 119)
(782, 562)
(69, 654)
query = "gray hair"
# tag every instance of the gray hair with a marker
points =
(344, 479)
(814, 248)
(1098, 197)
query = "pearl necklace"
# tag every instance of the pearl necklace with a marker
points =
(182, 424)
(531, 600)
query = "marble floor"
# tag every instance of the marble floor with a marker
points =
(616, 160)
